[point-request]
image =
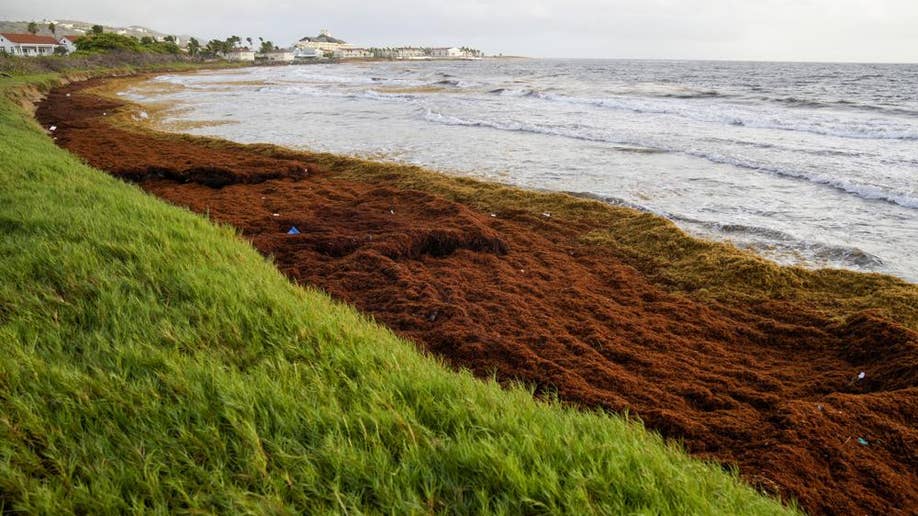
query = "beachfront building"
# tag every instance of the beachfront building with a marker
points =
(307, 54)
(324, 42)
(69, 42)
(240, 54)
(277, 56)
(27, 44)
(353, 53)
(447, 53)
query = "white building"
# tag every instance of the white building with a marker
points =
(69, 43)
(277, 56)
(447, 52)
(324, 42)
(240, 54)
(306, 54)
(353, 53)
(27, 44)
(410, 53)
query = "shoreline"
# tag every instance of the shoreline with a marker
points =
(698, 350)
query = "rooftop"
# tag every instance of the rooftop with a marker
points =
(29, 39)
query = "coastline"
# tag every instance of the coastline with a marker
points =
(666, 349)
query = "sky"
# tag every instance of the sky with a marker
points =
(781, 30)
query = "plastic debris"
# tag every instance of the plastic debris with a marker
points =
(293, 231)
(275, 214)
(391, 212)
(861, 375)
(68, 94)
(862, 441)
(494, 215)
(546, 215)
(52, 128)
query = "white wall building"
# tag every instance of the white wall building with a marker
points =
(277, 56)
(27, 44)
(324, 42)
(308, 54)
(240, 54)
(353, 53)
(447, 52)
(69, 43)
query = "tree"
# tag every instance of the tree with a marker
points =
(147, 40)
(33, 27)
(170, 39)
(98, 29)
(53, 28)
(194, 46)
(109, 42)
(266, 46)
(250, 42)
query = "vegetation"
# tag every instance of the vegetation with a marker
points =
(109, 42)
(154, 362)
(33, 28)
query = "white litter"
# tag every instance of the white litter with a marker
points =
(391, 212)
(52, 128)
(276, 214)
(546, 214)
(861, 375)
(494, 215)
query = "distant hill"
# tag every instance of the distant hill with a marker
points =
(68, 27)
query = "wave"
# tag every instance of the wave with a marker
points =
(864, 191)
(732, 114)
(838, 104)
(777, 243)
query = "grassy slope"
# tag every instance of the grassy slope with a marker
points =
(152, 360)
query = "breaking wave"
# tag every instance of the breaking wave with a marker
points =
(865, 191)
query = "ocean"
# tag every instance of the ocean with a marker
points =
(804, 163)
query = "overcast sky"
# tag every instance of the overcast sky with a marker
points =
(798, 30)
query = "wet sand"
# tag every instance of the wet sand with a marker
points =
(770, 386)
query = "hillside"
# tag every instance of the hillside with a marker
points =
(68, 27)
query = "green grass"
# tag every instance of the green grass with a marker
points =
(153, 361)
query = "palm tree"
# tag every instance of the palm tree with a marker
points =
(249, 39)
(53, 28)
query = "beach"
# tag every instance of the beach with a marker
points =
(602, 306)
(804, 163)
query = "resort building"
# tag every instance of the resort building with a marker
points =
(353, 53)
(69, 42)
(308, 54)
(324, 42)
(240, 54)
(277, 56)
(447, 52)
(27, 44)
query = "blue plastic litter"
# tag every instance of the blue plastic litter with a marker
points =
(862, 441)
(293, 231)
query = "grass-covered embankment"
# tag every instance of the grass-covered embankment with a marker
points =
(154, 361)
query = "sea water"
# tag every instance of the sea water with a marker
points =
(809, 164)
